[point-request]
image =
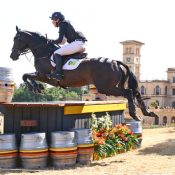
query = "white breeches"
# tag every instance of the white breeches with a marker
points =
(71, 48)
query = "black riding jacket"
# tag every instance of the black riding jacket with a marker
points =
(67, 30)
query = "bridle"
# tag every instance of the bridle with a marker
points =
(27, 50)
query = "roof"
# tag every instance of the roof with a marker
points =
(132, 42)
(62, 103)
(171, 69)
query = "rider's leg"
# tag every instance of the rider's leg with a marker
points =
(71, 48)
(68, 49)
(57, 74)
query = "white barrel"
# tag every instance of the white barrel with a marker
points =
(8, 151)
(135, 126)
(63, 148)
(33, 141)
(7, 142)
(83, 136)
(33, 150)
(6, 85)
(63, 139)
(85, 145)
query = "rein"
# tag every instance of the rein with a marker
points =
(26, 51)
(29, 50)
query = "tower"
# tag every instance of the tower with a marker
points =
(131, 55)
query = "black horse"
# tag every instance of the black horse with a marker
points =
(109, 76)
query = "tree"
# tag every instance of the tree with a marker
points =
(155, 104)
(22, 94)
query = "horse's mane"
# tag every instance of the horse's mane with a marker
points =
(35, 34)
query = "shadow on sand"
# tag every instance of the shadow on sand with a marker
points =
(164, 149)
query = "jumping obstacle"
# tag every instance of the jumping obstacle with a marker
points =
(57, 116)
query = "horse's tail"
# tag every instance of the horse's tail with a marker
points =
(132, 80)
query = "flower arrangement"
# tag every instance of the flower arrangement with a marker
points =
(110, 140)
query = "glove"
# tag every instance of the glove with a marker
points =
(51, 41)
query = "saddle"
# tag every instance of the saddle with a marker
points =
(80, 55)
(76, 56)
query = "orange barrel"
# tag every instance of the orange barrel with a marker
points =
(85, 145)
(136, 128)
(6, 85)
(63, 148)
(33, 150)
(8, 151)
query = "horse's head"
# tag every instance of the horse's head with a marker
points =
(19, 45)
(25, 40)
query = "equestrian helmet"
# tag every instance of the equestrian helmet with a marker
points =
(57, 15)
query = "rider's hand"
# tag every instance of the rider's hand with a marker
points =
(51, 41)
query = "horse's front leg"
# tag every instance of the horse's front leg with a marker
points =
(30, 82)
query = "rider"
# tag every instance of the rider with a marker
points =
(76, 42)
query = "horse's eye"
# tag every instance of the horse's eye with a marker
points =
(17, 37)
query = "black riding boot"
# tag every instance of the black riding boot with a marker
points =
(58, 73)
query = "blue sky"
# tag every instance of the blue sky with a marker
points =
(105, 24)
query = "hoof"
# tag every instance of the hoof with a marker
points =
(40, 86)
(137, 118)
(152, 114)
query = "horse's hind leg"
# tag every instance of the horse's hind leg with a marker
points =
(143, 106)
(127, 93)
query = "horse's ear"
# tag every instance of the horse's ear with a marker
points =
(17, 29)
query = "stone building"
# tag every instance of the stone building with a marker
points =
(161, 92)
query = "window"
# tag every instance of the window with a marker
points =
(132, 50)
(173, 79)
(128, 59)
(164, 120)
(173, 91)
(127, 50)
(137, 51)
(137, 60)
(173, 104)
(166, 90)
(142, 90)
(173, 120)
(157, 90)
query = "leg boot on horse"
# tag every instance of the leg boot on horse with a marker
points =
(58, 72)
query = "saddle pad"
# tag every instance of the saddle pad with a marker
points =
(69, 65)
(72, 64)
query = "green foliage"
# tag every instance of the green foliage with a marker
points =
(22, 94)
(154, 104)
(154, 126)
(110, 140)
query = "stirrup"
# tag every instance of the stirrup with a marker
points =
(57, 76)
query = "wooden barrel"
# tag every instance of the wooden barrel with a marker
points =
(63, 148)
(33, 150)
(85, 145)
(6, 85)
(8, 151)
(136, 128)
